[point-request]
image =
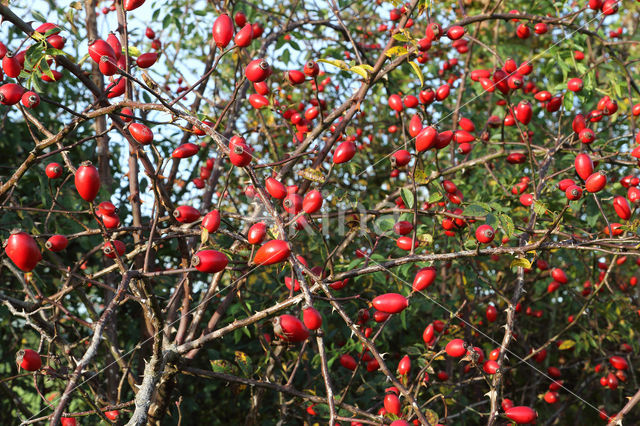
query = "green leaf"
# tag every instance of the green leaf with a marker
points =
(418, 72)
(38, 16)
(506, 223)
(223, 366)
(474, 210)
(385, 223)
(539, 207)
(32, 56)
(407, 197)
(286, 56)
(434, 197)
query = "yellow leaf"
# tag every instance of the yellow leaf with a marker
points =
(313, 175)
(418, 72)
(204, 236)
(336, 63)
(396, 51)
(567, 344)
(521, 262)
(360, 71)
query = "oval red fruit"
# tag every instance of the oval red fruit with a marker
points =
(311, 318)
(521, 414)
(271, 252)
(456, 348)
(596, 182)
(141, 133)
(23, 251)
(87, 181)
(424, 278)
(222, 31)
(186, 214)
(312, 202)
(391, 303)
(209, 261)
(28, 359)
(257, 233)
(53, 170)
(57, 243)
(344, 152)
(583, 165)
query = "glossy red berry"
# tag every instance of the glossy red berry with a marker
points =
(239, 152)
(258, 70)
(311, 318)
(456, 32)
(57, 243)
(147, 60)
(10, 94)
(185, 150)
(485, 234)
(222, 31)
(295, 77)
(112, 415)
(621, 206)
(402, 227)
(426, 139)
(345, 152)
(275, 188)
(30, 99)
(292, 204)
(575, 84)
(257, 233)
(573, 192)
(211, 221)
(395, 103)
(274, 251)
(524, 112)
(87, 181)
(559, 275)
(100, 48)
(209, 261)
(23, 251)
(392, 404)
(111, 248)
(130, 5)
(141, 133)
(586, 136)
(521, 414)
(348, 362)
(491, 313)
(244, 36)
(596, 182)
(68, 421)
(391, 303)
(400, 158)
(312, 201)
(456, 348)
(290, 328)
(53, 170)
(186, 214)
(28, 359)
(424, 278)
(618, 362)
(583, 166)
(311, 68)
